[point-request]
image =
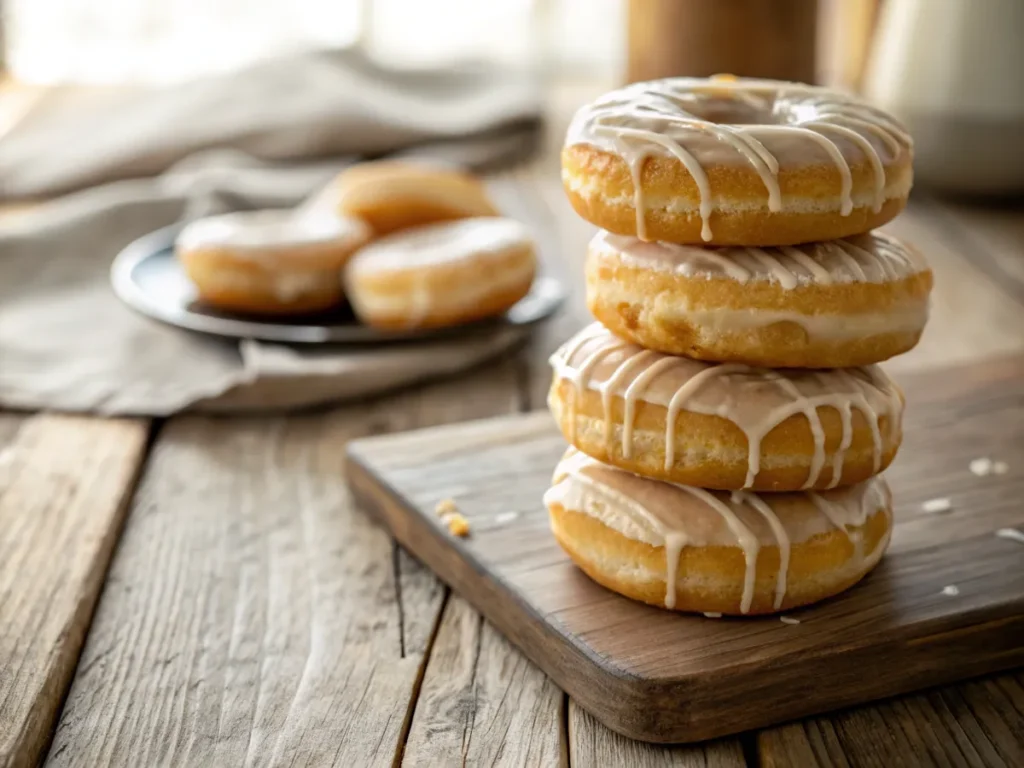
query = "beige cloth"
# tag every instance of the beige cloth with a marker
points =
(67, 343)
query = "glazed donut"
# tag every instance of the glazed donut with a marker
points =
(443, 274)
(723, 425)
(689, 549)
(394, 195)
(735, 162)
(835, 304)
(273, 261)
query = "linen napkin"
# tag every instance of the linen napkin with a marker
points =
(268, 136)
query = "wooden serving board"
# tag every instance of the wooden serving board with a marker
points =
(658, 676)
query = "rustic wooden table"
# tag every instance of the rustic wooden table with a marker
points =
(202, 591)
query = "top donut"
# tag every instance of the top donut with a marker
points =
(727, 161)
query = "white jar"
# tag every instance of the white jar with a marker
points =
(953, 70)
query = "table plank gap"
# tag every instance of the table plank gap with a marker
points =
(253, 616)
(65, 484)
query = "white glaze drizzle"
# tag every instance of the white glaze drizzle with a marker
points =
(259, 232)
(479, 238)
(664, 117)
(870, 258)
(781, 537)
(678, 383)
(661, 517)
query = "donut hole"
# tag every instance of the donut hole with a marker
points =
(729, 110)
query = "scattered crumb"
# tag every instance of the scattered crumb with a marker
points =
(951, 591)
(981, 467)
(1011, 533)
(445, 507)
(1000, 467)
(505, 517)
(457, 524)
(788, 620)
(935, 506)
(712, 614)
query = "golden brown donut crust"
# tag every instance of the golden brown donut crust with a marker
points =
(270, 262)
(623, 297)
(442, 275)
(819, 568)
(722, 448)
(441, 314)
(609, 201)
(393, 195)
(242, 286)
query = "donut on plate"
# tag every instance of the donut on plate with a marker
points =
(273, 261)
(727, 426)
(689, 549)
(443, 274)
(724, 161)
(392, 195)
(833, 304)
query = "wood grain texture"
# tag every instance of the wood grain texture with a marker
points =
(250, 616)
(979, 723)
(253, 617)
(64, 487)
(591, 743)
(685, 678)
(482, 702)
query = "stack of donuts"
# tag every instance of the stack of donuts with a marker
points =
(727, 419)
(407, 245)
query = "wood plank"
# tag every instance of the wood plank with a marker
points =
(250, 616)
(685, 678)
(590, 743)
(482, 702)
(971, 724)
(253, 616)
(475, 685)
(64, 487)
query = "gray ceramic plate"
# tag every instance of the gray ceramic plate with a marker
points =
(148, 278)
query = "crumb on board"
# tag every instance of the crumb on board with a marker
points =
(457, 524)
(1010, 533)
(505, 517)
(788, 620)
(981, 467)
(445, 507)
(935, 506)
(951, 591)
(712, 614)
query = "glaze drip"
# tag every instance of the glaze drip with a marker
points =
(780, 122)
(676, 516)
(756, 400)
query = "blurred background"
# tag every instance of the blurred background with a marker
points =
(161, 41)
(120, 117)
(952, 69)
